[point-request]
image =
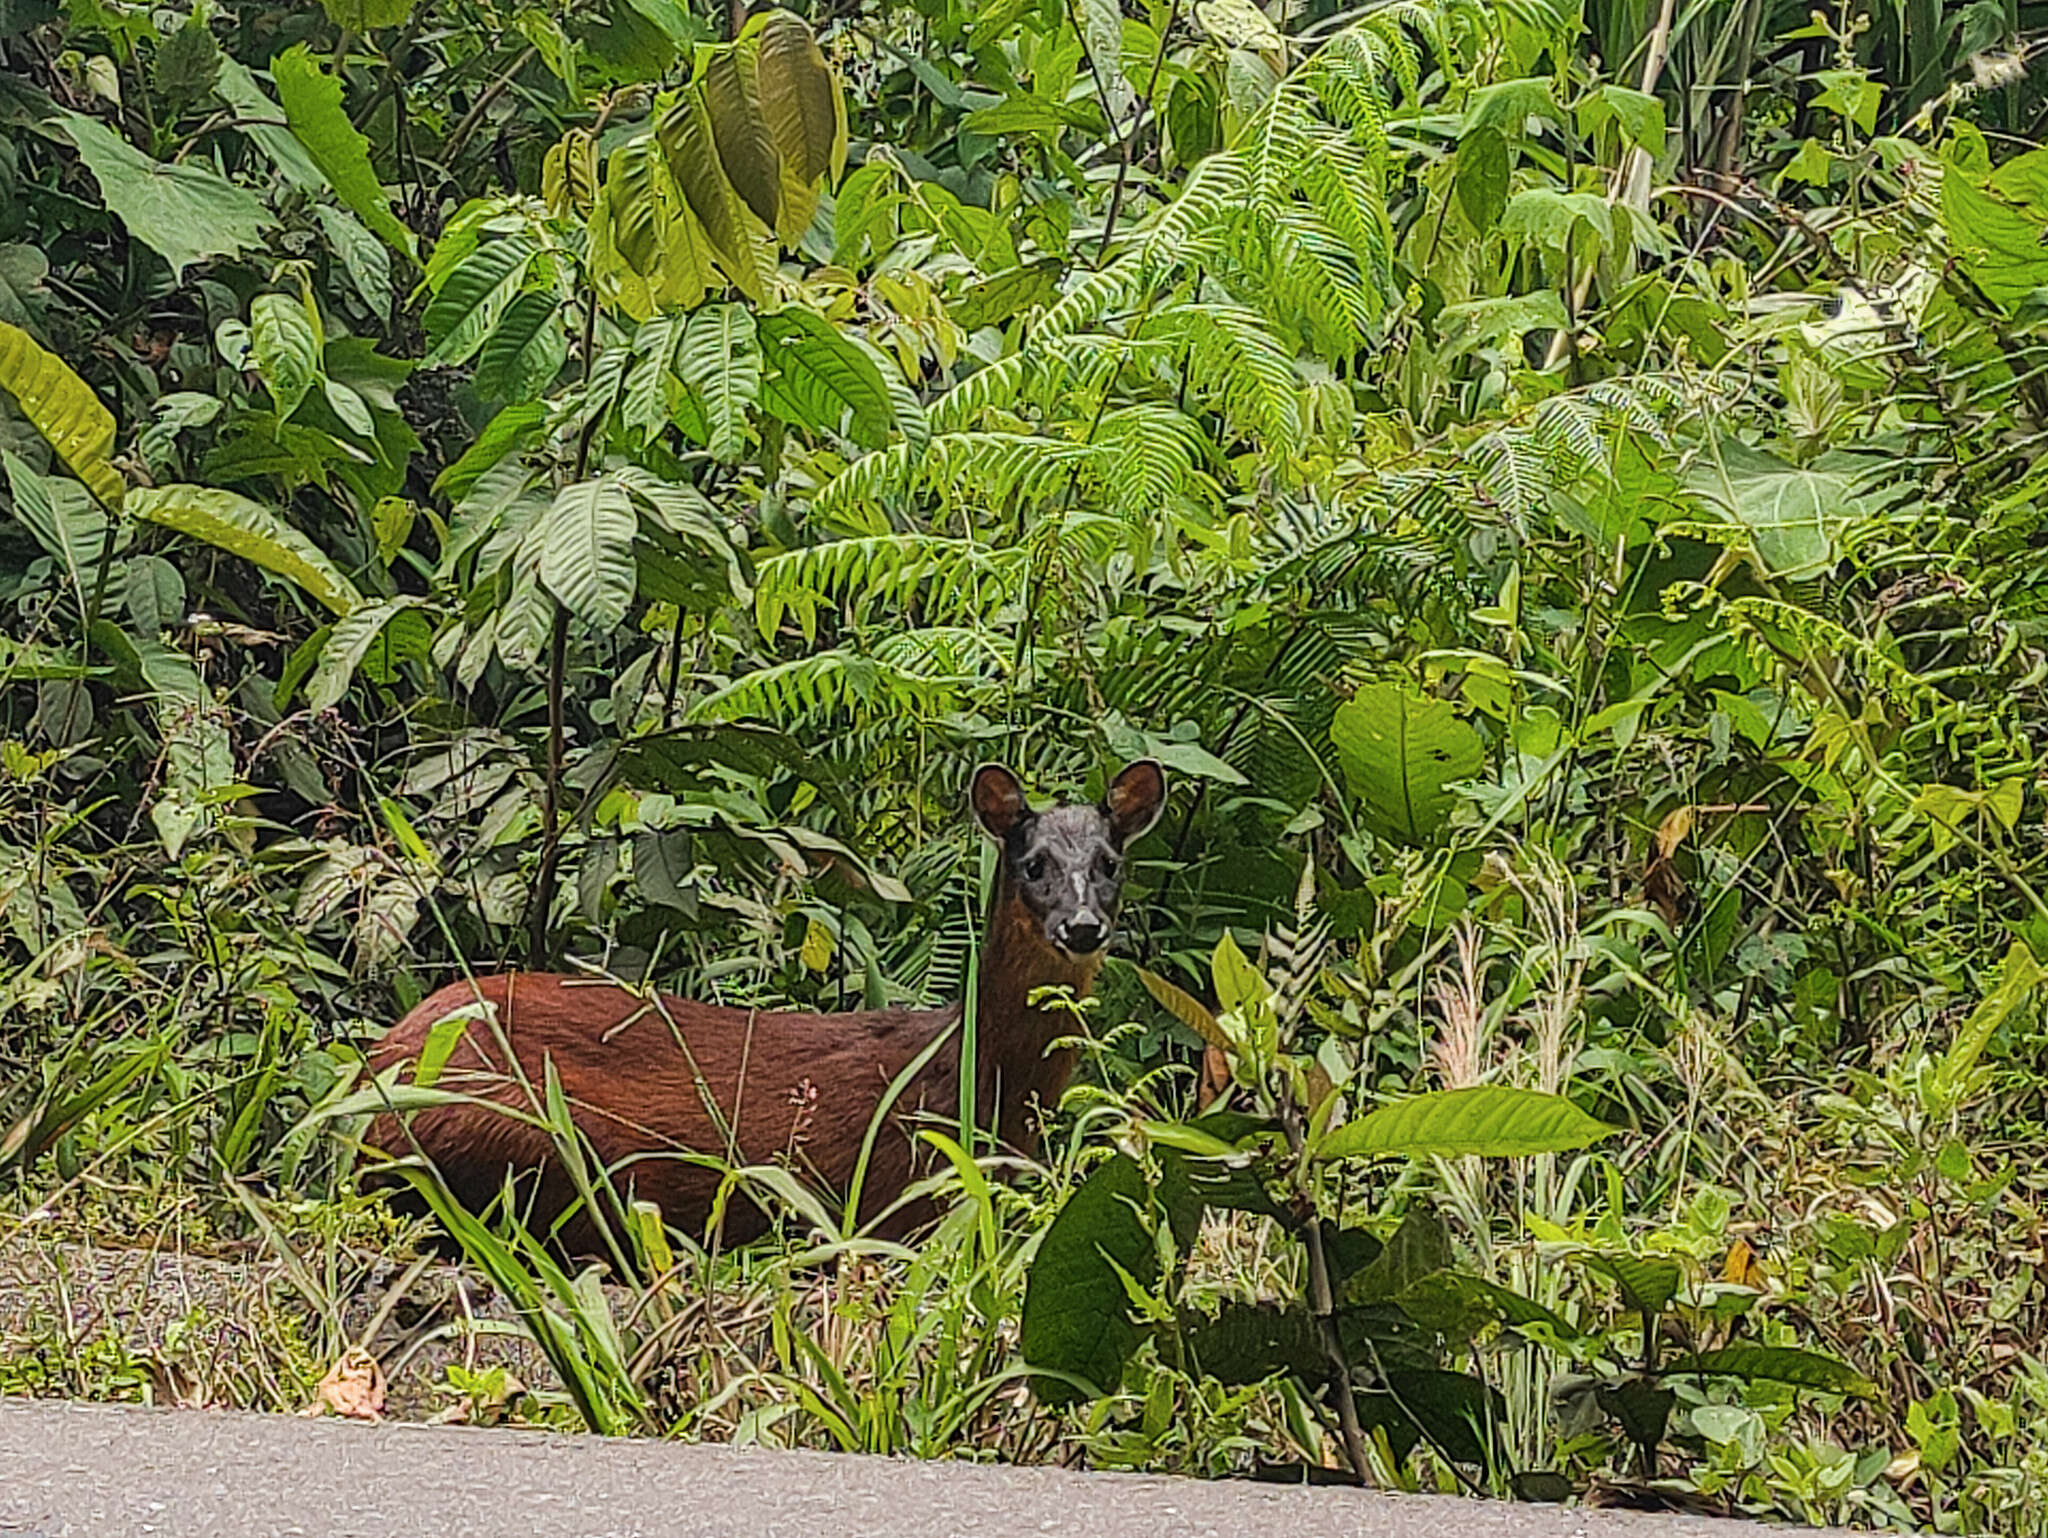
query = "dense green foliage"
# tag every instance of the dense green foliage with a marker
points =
(1557, 486)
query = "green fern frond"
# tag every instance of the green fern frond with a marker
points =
(983, 390)
(953, 577)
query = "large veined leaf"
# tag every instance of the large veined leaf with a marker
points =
(1077, 1318)
(1491, 1120)
(476, 295)
(198, 751)
(524, 351)
(348, 642)
(185, 213)
(64, 519)
(586, 556)
(1102, 34)
(1796, 515)
(690, 150)
(312, 105)
(720, 359)
(746, 150)
(249, 530)
(1401, 752)
(798, 96)
(1248, 1342)
(286, 348)
(22, 271)
(1648, 1283)
(1778, 1364)
(820, 380)
(60, 406)
(365, 258)
(805, 113)
(1481, 178)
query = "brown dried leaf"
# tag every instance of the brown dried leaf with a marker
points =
(1674, 830)
(353, 1387)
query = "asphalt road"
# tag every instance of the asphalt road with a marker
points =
(95, 1471)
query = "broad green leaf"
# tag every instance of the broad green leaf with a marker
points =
(1077, 1318)
(690, 150)
(286, 348)
(1247, 1342)
(1186, 1008)
(312, 105)
(22, 271)
(476, 295)
(1996, 224)
(65, 520)
(820, 380)
(525, 350)
(1796, 515)
(1777, 1364)
(1237, 981)
(365, 258)
(1460, 1415)
(186, 65)
(1553, 219)
(186, 213)
(60, 406)
(1102, 34)
(1639, 116)
(1420, 1248)
(1401, 752)
(994, 300)
(1490, 1120)
(804, 110)
(1510, 104)
(362, 15)
(720, 359)
(153, 592)
(258, 117)
(1481, 176)
(349, 640)
(587, 552)
(510, 431)
(249, 530)
(732, 97)
(1647, 1284)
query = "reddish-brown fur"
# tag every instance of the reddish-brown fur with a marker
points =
(793, 1088)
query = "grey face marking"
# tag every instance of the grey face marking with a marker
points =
(1068, 870)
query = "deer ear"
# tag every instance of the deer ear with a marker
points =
(998, 800)
(1134, 801)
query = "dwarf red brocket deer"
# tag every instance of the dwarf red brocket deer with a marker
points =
(649, 1078)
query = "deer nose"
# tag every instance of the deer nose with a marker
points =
(1082, 935)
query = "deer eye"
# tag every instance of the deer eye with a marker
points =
(1106, 866)
(1034, 868)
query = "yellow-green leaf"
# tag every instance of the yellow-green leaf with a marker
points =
(250, 530)
(312, 105)
(62, 407)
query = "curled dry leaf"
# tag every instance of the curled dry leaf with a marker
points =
(353, 1387)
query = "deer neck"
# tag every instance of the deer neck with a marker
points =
(1015, 1064)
